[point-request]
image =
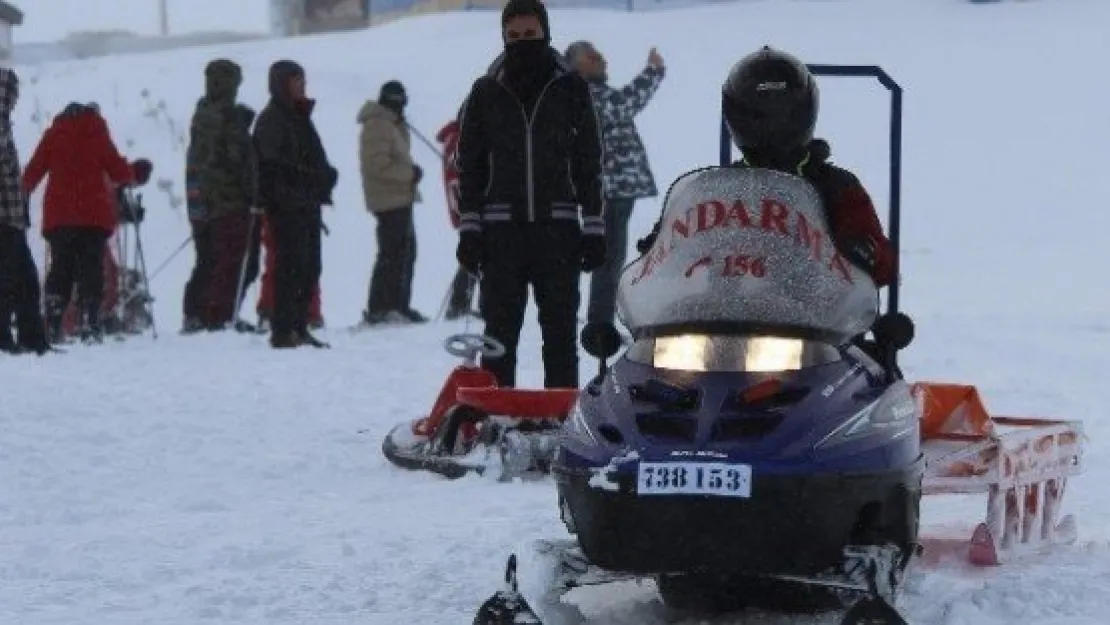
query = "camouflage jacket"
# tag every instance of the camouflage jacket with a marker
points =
(626, 172)
(220, 164)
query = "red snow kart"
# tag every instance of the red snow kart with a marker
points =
(475, 425)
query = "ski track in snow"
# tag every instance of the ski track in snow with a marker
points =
(211, 479)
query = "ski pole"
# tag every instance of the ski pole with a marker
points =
(140, 256)
(239, 294)
(425, 141)
(173, 255)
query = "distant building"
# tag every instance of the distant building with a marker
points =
(10, 17)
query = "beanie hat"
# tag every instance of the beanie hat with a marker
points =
(393, 94)
(517, 8)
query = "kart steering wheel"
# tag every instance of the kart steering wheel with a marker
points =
(470, 346)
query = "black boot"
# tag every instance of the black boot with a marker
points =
(305, 337)
(55, 309)
(91, 330)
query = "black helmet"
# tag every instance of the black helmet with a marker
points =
(770, 102)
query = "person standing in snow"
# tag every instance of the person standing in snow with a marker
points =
(20, 292)
(295, 181)
(79, 212)
(529, 169)
(389, 181)
(627, 174)
(221, 159)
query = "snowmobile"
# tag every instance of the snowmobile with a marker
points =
(475, 425)
(750, 448)
(742, 443)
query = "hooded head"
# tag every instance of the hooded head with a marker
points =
(222, 79)
(287, 82)
(525, 20)
(526, 33)
(393, 97)
(9, 90)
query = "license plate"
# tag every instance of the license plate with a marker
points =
(716, 479)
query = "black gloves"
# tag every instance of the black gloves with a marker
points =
(592, 252)
(469, 251)
(644, 244)
(142, 168)
(861, 252)
(328, 179)
(417, 175)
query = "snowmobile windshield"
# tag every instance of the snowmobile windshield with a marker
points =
(745, 252)
(756, 354)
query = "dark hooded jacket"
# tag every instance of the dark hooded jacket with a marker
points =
(220, 156)
(530, 165)
(293, 169)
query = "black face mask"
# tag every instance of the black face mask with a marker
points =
(527, 56)
(395, 104)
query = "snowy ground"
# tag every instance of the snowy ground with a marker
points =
(208, 479)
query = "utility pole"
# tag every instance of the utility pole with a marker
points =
(164, 17)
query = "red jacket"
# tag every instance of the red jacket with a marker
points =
(449, 137)
(77, 152)
(853, 216)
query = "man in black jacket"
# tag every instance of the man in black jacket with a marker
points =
(529, 157)
(294, 179)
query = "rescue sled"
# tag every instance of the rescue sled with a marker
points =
(475, 425)
(1021, 464)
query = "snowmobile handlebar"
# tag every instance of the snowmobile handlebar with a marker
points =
(470, 346)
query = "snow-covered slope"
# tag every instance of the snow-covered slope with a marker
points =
(210, 479)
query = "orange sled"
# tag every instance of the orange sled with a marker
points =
(1022, 465)
(475, 425)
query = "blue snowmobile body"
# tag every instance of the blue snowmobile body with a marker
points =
(666, 470)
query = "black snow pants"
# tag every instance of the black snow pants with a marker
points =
(297, 268)
(544, 256)
(76, 257)
(20, 293)
(194, 303)
(391, 280)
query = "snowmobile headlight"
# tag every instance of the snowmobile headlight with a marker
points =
(769, 354)
(686, 352)
(755, 354)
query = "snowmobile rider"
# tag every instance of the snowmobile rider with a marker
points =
(770, 102)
